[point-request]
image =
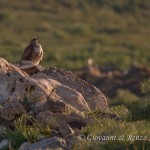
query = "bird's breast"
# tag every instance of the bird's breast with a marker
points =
(38, 49)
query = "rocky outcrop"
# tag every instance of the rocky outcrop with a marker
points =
(53, 97)
(46, 90)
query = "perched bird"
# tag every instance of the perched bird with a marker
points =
(33, 52)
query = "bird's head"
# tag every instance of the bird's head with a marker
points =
(34, 40)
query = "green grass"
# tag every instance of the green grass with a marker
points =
(107, 127)
(126, 131)
(26, 129)
(133, 122)
(111, 32)
(123, 97)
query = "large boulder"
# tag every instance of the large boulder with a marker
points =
(46, 90)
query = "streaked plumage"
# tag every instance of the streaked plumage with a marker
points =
(33, 52)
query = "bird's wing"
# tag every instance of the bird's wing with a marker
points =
(27, 52)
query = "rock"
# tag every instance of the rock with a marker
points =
(16, 84)
(92, 96)
(57, 119)
(47, 90)
(78, 121)
(70, 141)
(25, 146)
(65, 129)
(52, 105)
(76, 131)
(41, 137)
(72, 98)
(48, 118)
(10, 109)
(54, 133)
(6, 123)
(2, 129)
(54, 143)
(4, 143)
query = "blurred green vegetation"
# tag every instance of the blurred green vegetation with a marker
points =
(123, 97)
(111, 32)
(133, 121)
(26, 129)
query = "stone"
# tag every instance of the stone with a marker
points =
(2, 129)
(54, 143)
(41, 137)
(72, 98)
(54, 133)
(55, 120)
(51, 89)
(48, 118)
(4, 143)
(65, 129)
(92, 96)
(70, 141)
(25, 146)
(10, 109)
(53, 106)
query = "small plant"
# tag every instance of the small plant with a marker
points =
(15, 137)
(140, 110)
(121, 111)
(26, 129)
(145, 87)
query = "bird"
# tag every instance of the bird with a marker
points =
(33, 52)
